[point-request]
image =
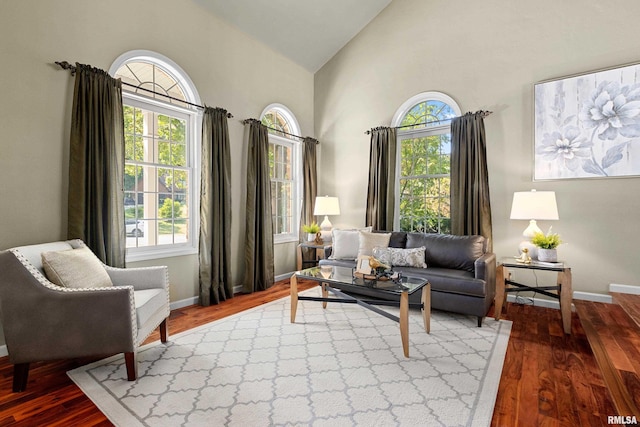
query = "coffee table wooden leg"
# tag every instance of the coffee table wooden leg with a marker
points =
(566, 296)
(294, 297)
(404, 322)
(426, 307)
(500, 293)
(325, 294)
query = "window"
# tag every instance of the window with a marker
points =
(423, 189)
(160, 156)
(285, 172)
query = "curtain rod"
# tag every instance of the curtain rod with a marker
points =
(481, 112)
(67, 66)
(245, 121)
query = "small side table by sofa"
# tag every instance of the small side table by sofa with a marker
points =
(319, 254)
(563, 291)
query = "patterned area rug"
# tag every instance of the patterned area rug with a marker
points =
(341, 366)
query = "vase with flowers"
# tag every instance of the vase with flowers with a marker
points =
(547, 245)
(311, 230)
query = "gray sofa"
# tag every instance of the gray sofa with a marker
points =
(461, 271)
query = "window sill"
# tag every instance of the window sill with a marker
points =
(279, 240)
(146, 254)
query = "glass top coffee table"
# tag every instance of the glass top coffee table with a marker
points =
(337, 280)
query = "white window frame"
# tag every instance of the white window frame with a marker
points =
(193, 140)
(417, 133)
(296, 170)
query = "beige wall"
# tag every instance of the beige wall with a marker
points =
(229, 69)
(487, 55)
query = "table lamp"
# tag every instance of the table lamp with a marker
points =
(533, 205)
(326, 206)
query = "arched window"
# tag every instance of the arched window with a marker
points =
(161, 140)
(423, 189)
(285, 165)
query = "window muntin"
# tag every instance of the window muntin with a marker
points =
(161, 156)
(157, 177)
(282, 185)
(426, 114)
(276, 121)
(284, 171)
(143, 75)
(424, 164)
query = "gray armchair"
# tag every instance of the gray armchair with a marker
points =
(43, 321)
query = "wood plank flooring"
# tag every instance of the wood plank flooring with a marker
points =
(549, 379)
(615, 341)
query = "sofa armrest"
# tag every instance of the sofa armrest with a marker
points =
(328, 251)
(140, 278)
(485, 269)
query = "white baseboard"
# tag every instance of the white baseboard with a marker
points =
(585, 296)
(624, 289)
(588, 296)
(3, 351)
(183, 303)
(284, 276)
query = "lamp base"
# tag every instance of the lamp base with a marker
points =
(326, 236)
(325, 228)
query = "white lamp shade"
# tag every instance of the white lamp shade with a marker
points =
(326, 206)
(540, 205)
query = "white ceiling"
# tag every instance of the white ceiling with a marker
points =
(309, 32)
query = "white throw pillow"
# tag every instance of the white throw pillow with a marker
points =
(346, 243)
(75, 268)
(397, 257)
(368, 241)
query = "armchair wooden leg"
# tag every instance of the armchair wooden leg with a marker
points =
(132, 366)
(20, 377)
(480, 319)
(163, 331)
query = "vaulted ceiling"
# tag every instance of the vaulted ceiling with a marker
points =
(309, 32)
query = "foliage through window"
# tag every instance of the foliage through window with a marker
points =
(159, 167)
(284, 155)
(156, 178)
(424, 181)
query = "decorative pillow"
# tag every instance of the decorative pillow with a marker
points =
(368, 241)
(397, 257)
(346, 243)
(75, 268)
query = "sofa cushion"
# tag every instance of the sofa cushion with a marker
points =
(398, 257)
(148, 302)
(75, 268)
(346, 243)
(449, 280)
(398, 239)
(368, 241)
(448, 251)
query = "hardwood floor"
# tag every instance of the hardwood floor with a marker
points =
(549, 378)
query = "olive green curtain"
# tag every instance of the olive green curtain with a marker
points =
(382, 179)
(215, 209)
(96, 165)
(259, 269)
(309, 182)
(470, 201)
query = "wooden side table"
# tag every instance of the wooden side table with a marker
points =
(563, 290)
(319, 254)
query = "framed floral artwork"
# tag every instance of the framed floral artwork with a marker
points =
(588, 125)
